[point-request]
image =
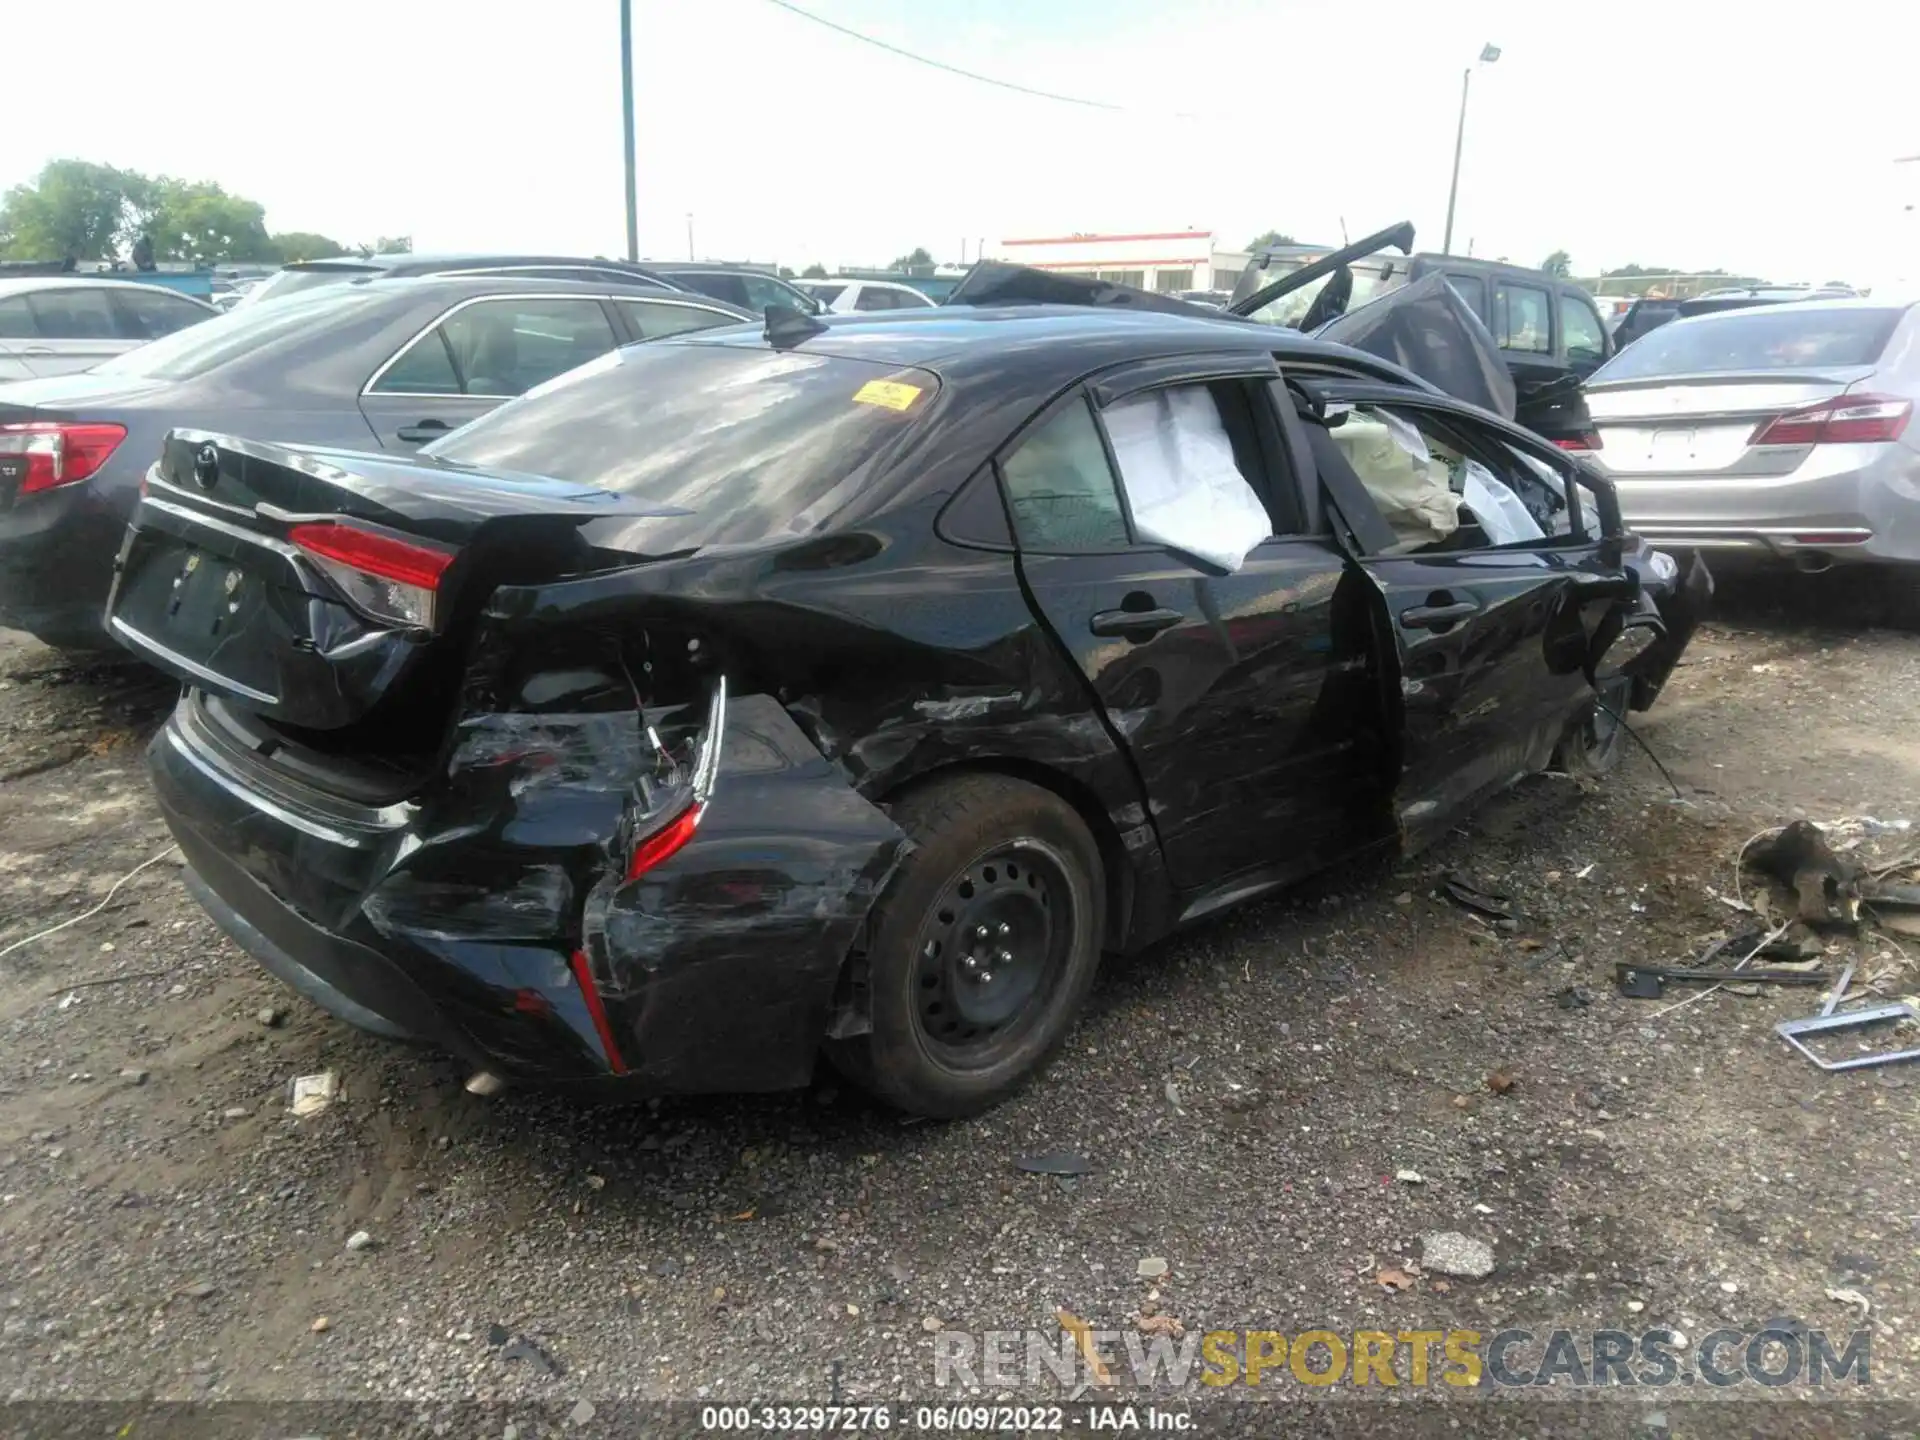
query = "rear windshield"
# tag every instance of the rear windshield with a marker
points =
(1775, 337)
(292, 281)
(242, 330)
(749, 442)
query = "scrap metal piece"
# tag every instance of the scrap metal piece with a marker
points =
(1794, 1033)
(1646, 982)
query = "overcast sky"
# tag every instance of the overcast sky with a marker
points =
(1673, 133)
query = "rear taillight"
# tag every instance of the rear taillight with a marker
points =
(1586, 440)
(388, 577)
(1844, 420)
(670, 838)
(57, 452)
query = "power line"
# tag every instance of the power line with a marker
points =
(942, 65)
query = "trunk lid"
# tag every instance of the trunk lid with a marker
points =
(1703, 424)
(326, 589)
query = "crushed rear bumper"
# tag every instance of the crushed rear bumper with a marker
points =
(461, 919)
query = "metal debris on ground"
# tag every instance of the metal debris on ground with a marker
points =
(1054, 1162)
(1464, 893)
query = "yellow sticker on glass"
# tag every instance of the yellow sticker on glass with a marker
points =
(893, 394)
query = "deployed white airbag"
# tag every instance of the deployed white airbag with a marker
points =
(1176, 462)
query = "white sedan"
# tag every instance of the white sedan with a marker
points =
(843, 297)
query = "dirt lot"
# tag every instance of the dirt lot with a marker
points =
(1246, 1097)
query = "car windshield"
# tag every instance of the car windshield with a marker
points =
(1774, 337)
(747, 442)
(1369, 282)
(241, 331)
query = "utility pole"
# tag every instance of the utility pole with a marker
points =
(626, 107)
(690, 254)
(1488, 54)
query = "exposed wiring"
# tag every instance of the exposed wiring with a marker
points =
(1621, 721)
(942, 65)
(88, 914)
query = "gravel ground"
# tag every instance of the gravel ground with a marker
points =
(1246, 1097)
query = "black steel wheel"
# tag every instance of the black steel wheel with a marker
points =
(983, 949)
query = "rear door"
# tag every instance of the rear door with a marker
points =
(477, 354)
(18, 330)
(147, 312)
(76, 328)
(1491, 572)
(1240, 694)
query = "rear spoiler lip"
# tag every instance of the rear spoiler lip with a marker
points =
(415, 488)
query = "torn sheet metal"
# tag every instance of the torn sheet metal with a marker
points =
(718, 972)
(1427, 328)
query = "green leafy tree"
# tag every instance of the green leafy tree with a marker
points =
(386, 245)
(815, 271)
(198, 222)
(1558, 263)
(916, 257)
(290, 245)
(786, 272)
(1268, 239)
(73, 208)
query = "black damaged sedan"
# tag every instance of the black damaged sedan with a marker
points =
(853, 685)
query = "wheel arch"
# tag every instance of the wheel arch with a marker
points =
(848, 1013)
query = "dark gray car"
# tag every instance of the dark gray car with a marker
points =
(387, 365)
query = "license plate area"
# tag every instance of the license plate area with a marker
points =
(221, 613)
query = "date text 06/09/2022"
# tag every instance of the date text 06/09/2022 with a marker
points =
(936, 1419)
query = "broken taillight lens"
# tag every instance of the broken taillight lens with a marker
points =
(671, 794)
(386, 576)
(1844, 420)
(58, 452)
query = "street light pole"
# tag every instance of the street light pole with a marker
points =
(1488, 54)
(626, 105)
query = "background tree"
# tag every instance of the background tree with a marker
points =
(387, 245)
(73, 208)
(815, 271)
(99, 212)
(917, 256)
(200, 223)
(292, 245)
(1558, 263)
(1269, 238)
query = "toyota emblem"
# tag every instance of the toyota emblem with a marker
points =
(206, 467)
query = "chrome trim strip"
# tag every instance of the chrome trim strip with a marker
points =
(200, 672)
(257, 802)
(281, 548)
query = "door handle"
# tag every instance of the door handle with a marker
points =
(36, 350)
(1437, 617)
(424, 431)
(1134, 625)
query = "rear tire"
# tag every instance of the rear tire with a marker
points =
(984, 946)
